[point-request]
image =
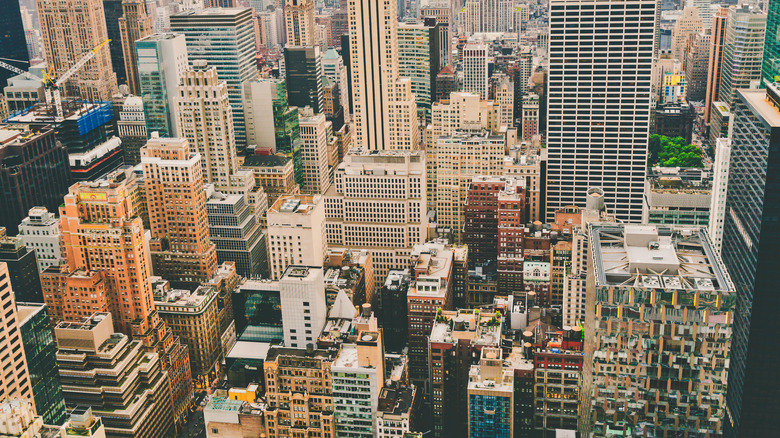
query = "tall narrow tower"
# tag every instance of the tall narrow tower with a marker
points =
(173, 179)
(70, 29)
(134, 24)
(206, 121)
(598, 116)
(301, 27)
(381, 101)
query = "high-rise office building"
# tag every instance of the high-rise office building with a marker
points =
(633, 313)
(30, 178)
(689, 23)
(770, 69)
(16, 383)
(304, 309)
(237, 233)
(194, 317)
(134, 24)
(488, 16)
(225, 39)
(604, 142)
(40, 231)
(377, 202)
(742, 52)
(715, 64)
(162, 60)
(419, 60)
(696, 66)
(131, 128)
(205, 120)
(749, 242)
(22, 268)
(13, 44)
(720, 183)
(358, 374)
(304, 74)
(112, 11)
(180, 247)
(296, 233)
(459, 158)
(38, 340)
(94, 361)
(385, 117)
(505, 98)
(300, 24)
(475, 69)
(63, 47)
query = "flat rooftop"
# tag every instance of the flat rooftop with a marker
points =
(183, 298)
(656, 256)
(299, 204)
(757, 99)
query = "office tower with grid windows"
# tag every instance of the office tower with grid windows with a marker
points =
(134, 24)
(299, 22)
(225, 39)
(597, 134)
(743, 51)
(304, 309)
(16, 381)
(162, 60)
(715, 64)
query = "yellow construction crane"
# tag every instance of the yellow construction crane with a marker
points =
(51, 82)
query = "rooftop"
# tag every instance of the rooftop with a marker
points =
(266, 161)
(224, 404)
(249, 350)
(757, 99)
(300, 204)
(480, 328)
(183, 298)
(396, 401)
(655, 256)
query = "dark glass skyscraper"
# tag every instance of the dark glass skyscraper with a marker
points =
(770, 69)
(304, 77)
(38, 341)
(112, 10)
(751, 238)
(12, 42)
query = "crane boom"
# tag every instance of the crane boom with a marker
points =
(19, 71)
(77, 66)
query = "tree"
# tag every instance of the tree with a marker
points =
(672, 152)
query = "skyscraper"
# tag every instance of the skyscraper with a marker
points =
(38, 340)
(316, 134)
(134, 24)
(602, 140)
(296, 233)
(12, 40)
(717, 39)
(770, 70)
(205, 120)
(162, 60)
(475, 69)
(742, 52)
(300, 24)
(173, 181)
(303, 68)
(225, 38)
(63, 47)
(12, 384)
(384, 107)
(750, 241)
(418, 59)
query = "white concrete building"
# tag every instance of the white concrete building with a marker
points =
(378, 203)
(41, 231)
(720, 183)
(296, 233)
(304, 310)
(475, 69)
(603, 142)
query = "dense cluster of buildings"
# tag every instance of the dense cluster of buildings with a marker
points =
(327, 219)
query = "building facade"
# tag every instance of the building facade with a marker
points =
(296, 233)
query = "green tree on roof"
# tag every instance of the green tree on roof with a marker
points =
(672, 152)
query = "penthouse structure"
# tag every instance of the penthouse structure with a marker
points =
(123, 385)
(40, 231)
(657, 295)
(377, 203)
(673, 199)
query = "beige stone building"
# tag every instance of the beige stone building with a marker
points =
(181, 249)
(70, 29)
(299, 393)
(134, 24)
(316, 136)
(274, 173)
(16, 382)
(300, 24)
